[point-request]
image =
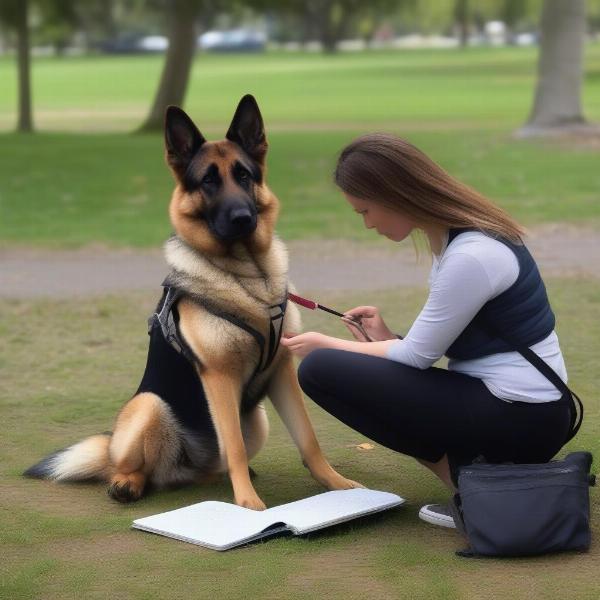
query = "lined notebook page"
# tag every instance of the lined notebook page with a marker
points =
(332, 507)
(220, 525)
(209, 523)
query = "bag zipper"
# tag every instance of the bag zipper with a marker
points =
(499, 470)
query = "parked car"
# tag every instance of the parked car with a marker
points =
(234, 40)
(134, 43)
(154, 43)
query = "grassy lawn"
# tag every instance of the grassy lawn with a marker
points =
(477, 86)
(69, 189)
(67, 367)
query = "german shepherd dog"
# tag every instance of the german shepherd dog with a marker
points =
(214, 340)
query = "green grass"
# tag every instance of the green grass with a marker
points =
(68, 366)
(70, 189)
(481, 86)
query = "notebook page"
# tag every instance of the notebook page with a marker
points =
(213, 524)
(332, 507)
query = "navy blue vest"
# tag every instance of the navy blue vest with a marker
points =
(522, 313)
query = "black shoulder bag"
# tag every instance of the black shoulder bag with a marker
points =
(526, 509)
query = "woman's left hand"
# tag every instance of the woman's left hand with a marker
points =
(301, 344)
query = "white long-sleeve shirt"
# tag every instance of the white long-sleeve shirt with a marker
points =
(474, 269)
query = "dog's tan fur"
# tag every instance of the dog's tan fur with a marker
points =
(242, 278)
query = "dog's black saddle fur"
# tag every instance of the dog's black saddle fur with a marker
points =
(171, 365)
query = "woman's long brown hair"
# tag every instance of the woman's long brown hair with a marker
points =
(386, 169)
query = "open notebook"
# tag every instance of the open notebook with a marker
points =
(221, 526)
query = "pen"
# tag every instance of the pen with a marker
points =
(312, 305)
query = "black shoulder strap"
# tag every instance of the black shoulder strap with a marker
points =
(166, 316)
(550, 374)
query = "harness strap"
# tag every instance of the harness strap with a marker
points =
(277, 312)
(551, 375)
(168, 318)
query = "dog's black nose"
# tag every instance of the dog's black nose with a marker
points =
(241, 216)
(232, 222)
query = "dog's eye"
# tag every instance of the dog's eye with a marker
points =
(208, 180)
(244, 176)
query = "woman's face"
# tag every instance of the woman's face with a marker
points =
(386, 221)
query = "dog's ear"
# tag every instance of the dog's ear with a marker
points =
(247, 129)
(182, 139)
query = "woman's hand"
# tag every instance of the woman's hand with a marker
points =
(371, 321)
(301, 344)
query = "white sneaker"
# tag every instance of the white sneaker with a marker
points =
(437, 514)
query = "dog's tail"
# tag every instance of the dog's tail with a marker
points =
(83, 461)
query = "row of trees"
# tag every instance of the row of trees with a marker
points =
(562, 26)
(61, 22)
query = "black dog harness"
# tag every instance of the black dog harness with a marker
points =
(171, 365)
(167, 317)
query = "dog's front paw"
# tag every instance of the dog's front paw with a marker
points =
(251, 501)
(337, 482)
(126, 488)
(350, 483)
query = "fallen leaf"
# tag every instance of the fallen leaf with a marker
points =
(365, 446)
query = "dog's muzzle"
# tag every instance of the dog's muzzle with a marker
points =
(235, 222)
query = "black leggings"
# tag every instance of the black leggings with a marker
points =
(432, 412)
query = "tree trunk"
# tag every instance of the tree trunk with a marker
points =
(328, 38)
(557, 104)
(25, 123)
(329, 20)
(178, 62)
(512, 12)
(461, 14)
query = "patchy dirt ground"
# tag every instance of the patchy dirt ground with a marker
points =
(560, 250)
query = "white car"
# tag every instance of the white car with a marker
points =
(153, 43)
(242, 40)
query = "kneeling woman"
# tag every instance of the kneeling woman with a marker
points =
(484, 288)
